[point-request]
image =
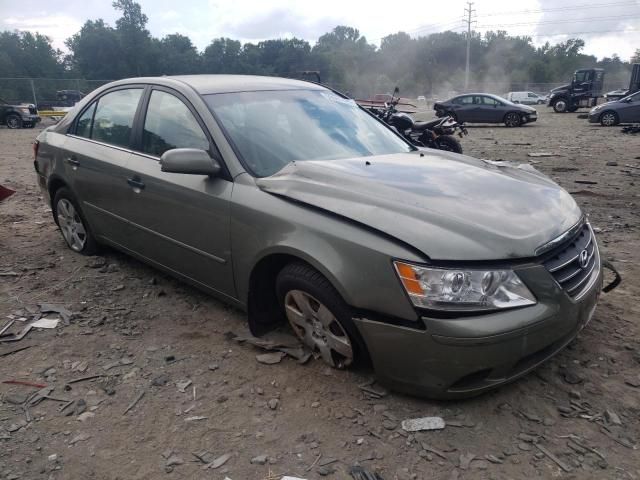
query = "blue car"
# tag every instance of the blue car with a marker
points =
(625, 110)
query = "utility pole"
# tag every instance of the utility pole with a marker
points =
(468, 12)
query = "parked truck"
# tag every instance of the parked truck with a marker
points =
(583, 91)
(634, 86)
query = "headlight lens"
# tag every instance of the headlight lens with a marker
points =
(463, 289)
(24, 110)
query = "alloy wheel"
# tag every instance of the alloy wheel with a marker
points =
(71, 226)
(608, 119)
(512, 120)
(318, 328)
(13, 122)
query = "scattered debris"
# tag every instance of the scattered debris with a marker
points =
(135, 402)
(221, 460)
(260, 460)
(555, 459)
(183, 385)
(83, 437)
(195, 419)
(16, 350)
(66, 315)
(359, 473)
(276, 341)
(543, 154)
(271, 358)
(45, 323)
(425, 423)
(586, 182)
(24, 383)
(160, 381)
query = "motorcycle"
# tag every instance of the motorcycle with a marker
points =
(438, 133)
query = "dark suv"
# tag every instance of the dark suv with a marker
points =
(18, 116)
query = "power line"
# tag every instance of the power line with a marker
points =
(628, 30)
(560, 9)
(552, 22)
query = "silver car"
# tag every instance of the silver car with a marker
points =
(451, 275)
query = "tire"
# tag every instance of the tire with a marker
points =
(72, 223)
(560, 106)
(609, 118)
(448, 143)
(13, 121)
(512, 119)
(328, 319)
(540, 102)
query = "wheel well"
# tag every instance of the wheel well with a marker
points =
(263, 308)
(55, 184)
(608, 111)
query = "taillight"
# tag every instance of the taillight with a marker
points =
(36, 145)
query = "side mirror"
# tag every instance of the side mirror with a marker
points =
(190, 161)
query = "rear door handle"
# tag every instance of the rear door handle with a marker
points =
(135, 182)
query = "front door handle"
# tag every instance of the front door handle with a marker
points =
(135, 182)
(73, 161)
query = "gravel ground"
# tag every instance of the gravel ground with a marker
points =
(578, 416)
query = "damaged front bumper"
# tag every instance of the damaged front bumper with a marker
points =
(461, 357)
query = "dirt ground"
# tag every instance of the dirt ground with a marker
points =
(577, 417)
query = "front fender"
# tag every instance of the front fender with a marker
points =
(357, 261)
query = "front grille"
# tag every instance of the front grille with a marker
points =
(564, 262)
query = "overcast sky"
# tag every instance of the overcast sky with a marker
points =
(608, 26)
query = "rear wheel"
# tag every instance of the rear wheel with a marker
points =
(609, 119)
(13, 121)
(448, 144)
(319, 316)
(512, 119)
(73, 226)
(560, 106)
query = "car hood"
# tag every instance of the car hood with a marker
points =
(561, 88)
(448, 206)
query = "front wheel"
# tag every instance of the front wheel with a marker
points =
(609, 119)
(560, 106)
(72, 224)
(512, 119)
(319, 316)
(13, 121)
(448, 144)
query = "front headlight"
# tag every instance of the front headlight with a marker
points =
(463, 289)
(24, 110)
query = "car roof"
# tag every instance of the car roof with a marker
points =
(497, 97)
(209, 84)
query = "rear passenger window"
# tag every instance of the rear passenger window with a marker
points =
(83, 127)
(114, 114)
(170, 124)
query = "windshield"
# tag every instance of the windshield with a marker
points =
(270, 129)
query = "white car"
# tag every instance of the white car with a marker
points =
(527, 98)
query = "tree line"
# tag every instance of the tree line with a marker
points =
(427, 65)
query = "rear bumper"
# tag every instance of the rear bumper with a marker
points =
(462, 357)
